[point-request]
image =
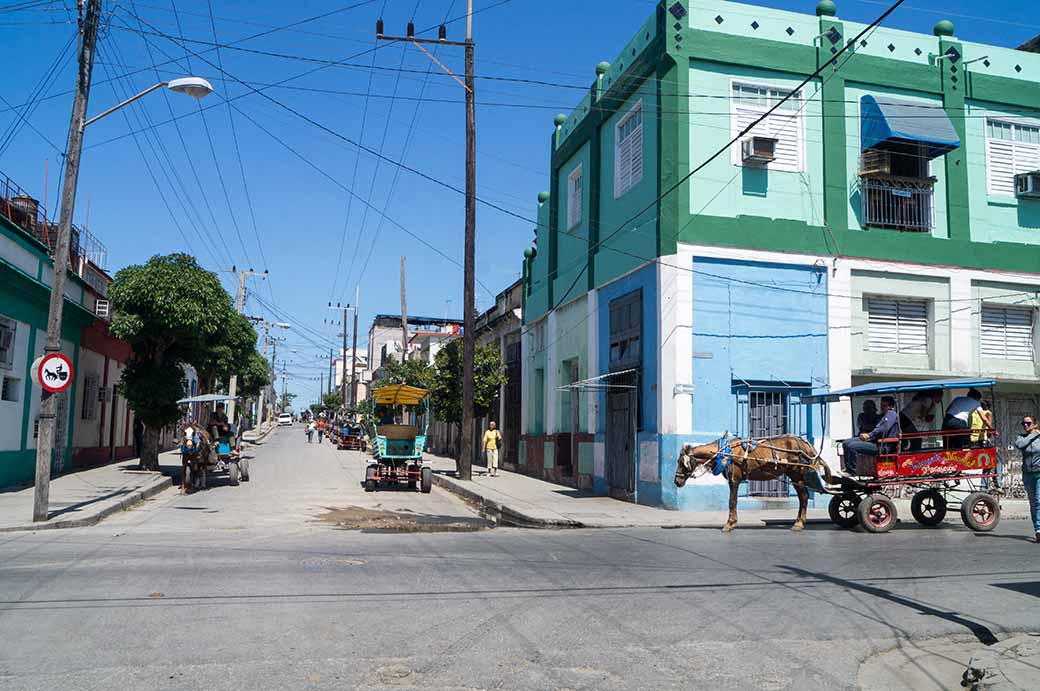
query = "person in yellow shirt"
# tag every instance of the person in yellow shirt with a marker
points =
(492, 441)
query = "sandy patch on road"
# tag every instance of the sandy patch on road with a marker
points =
(357, 518)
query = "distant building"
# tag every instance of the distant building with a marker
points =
(384, 336)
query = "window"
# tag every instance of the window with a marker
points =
(767, 417)
(9, 387)
(101, 308)
(7, 332)
(626, 330)
(897, 325)
(784, 124)
(628, 151)
(90, 397)
(1007, 333)
(1011, 148)
(538, 337)
(575, 198)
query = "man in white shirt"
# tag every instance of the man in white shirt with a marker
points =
(958, 417)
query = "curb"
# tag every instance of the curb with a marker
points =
(261, 438)
(503, 515)
(130, 500)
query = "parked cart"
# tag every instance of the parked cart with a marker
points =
(400, 438)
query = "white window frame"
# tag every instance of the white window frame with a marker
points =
(764, 128)
(90, 397)
(625, 178)
(575, 206)
(899, 348)
(7, 360)
(1005, 354)
(1019, 161)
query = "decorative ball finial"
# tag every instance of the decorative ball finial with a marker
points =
(559, 119)
(543, 197)
(529, 253)
(943, 28)
(826, 8)
(601, 68)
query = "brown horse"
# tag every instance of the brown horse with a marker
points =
(196, 448)
(765, 459)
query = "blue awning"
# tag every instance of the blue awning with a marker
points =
(888, 387)
(894, 125)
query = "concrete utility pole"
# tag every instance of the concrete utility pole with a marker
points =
(343, 384)
(465, 464)
(332, 371)
(404, 317)
(353, 354)
(88, 28)
(240, 303)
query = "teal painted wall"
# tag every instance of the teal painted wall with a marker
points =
(570, 347)
(726, 188)
(627, 243)
(853, 93)
(572, 243)
(996, 217)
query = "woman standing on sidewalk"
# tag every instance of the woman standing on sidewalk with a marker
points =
(1028, 443)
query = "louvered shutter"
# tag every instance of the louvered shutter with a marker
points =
(575, 194)
(1011, 148)
(897, 326)
(782, 126)
(1007, 333)
(628, 153)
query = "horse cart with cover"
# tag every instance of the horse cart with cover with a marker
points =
(943, 468)
(400, 438)
(213, 448)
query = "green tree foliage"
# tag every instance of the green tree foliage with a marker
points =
(255, 376)
(332, 400)
(410, 372)
(286, 400)
(446, 381)
(230, 351)
(172, 311)
(316, 408)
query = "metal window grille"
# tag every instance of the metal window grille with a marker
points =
(898, 203)
(7, 332)
(9, 389)
(767, 417)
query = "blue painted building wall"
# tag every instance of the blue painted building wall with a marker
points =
(766, 336)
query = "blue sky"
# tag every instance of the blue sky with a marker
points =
(294, 219)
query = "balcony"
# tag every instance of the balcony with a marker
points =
(897, 203)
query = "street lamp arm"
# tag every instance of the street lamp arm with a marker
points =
(120, 105)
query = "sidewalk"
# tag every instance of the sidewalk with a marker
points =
(257, 435)
(86, 497)
(522, 501)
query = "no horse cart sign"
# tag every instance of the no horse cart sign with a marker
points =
(52, 372)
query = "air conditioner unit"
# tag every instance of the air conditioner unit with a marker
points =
(1027, 185)
(758, 149)
(875, 162)
(101, 308)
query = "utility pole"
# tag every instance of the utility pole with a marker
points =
(240, 303)
(343, 384)
(404, 318)
(332, 371)
(266, 398)
(465, 463)
(353, 354)
(88, 29)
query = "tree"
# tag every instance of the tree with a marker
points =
(411, 372)
(446, 394)
(286, 401)
(169, 310)
(316, 408)
(332, 401)
(230, 351)
(255, 376)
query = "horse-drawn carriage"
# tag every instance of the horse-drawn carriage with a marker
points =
(213, 450)
(941, 467)
(399, 444)
(350, 437)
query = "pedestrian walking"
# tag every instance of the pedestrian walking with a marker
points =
(1028, 443)
(321, 429)
(492, 442)
(310, 431)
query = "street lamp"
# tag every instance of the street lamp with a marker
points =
(192, 86)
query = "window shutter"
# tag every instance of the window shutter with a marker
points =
(1000, 167)
(628, 151)
(1011, 148)
(575, 197)
(897, 326)
(1007, 333)
(784, 124)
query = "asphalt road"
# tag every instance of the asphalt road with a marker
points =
(246, 588)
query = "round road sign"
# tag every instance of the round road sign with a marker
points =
(52, 372)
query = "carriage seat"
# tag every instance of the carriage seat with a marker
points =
(398, 432)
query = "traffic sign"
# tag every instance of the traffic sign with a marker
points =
(52, 372)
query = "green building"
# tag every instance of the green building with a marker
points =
(882, 223)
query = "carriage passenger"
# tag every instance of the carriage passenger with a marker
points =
(869, 443)
(958, 418)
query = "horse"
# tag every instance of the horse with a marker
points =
(196, 448)
(765, 459)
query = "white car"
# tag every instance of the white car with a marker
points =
(285, 419)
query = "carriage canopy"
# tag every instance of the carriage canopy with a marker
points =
(896, 387)
(399, 394)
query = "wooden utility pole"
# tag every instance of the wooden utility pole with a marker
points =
(332, 371)
(240, 303)
(353, 353)
(88, 29)
(465, 462)
(404, 318)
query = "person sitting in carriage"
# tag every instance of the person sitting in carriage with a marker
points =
(869, 443)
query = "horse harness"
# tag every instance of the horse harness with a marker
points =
(724, 456)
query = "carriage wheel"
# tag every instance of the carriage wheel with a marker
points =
(371, 480)
(877, 514)
(427, 480)
(843, 510)
(233, 474)
(928, 507)
(244, 466)
(980, 512)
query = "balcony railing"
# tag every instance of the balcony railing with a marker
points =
(897, 203)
